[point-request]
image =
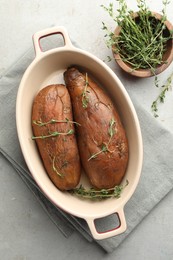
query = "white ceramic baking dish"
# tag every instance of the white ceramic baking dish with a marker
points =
(47, 68)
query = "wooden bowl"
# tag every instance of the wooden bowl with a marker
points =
(143, 73)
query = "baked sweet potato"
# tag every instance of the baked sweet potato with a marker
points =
(54, 133)
(101, 138)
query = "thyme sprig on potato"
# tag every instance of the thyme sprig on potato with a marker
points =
(105, 146)
(55, 169)
(92, 193)
(85, 98)
(54, 134)
(53, 121)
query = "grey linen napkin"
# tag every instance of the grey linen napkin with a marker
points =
(155, 182)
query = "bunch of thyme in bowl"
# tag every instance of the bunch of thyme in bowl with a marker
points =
(142, 41)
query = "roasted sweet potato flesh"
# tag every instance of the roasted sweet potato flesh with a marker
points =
(54, 133)
(101, 138)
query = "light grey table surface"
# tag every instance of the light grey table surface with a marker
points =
(26, 232)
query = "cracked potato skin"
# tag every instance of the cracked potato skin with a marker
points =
(59, 153)
(94, 110)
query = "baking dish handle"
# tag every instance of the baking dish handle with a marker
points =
(48, 32)
(109, 233)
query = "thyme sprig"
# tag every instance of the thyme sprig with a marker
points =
(55, 169)
(53, 134)
(161, 97)
(142, 41)
(92, 193)
(105, 147)
(53, 121)
(85, 98)
(112, 129)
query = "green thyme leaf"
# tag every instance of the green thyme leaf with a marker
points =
(111, 130)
